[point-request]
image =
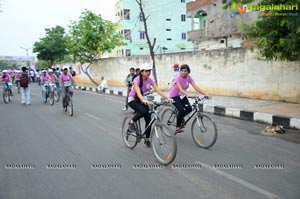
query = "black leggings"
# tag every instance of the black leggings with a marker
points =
(183, 106)
(142, 110)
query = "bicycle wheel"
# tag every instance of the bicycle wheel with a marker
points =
(163, 146)
(129, 138)
(5, 96)
(51, 97)
(204, 131)
(70, 105)
(56, 95)
(169, 118)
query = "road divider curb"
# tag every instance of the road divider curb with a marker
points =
(253, 116)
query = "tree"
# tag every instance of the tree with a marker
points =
(52, 48)
(91, 36)
(151, 45)
(278, 37)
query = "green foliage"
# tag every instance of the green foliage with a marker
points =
(278, 37)
(91, 35)
(8, 65)
(42, 64)
(228, 5)
(52, 48)
(4, 64)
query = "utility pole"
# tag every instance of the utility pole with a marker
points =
(27, 61)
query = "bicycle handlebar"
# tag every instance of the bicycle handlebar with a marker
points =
(199, 99)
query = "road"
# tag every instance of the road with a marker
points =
(45, 153)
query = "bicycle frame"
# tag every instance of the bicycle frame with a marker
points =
(196, 109)
(154, 118)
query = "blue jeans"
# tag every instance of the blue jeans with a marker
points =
(44, 92)
(5, 85)
(25, 95)
(57, 87)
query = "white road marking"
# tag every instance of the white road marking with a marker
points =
(92, 116)
(239, 181)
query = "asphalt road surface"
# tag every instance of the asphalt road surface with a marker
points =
(46, 154)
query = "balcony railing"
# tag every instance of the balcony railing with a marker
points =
(197, 35)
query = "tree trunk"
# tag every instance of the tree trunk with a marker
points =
(151, 46)
(87, 73)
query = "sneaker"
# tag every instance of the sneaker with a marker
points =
(147, 143)
(179, 129)
(132, 127)
(124, 109)
(182, 121)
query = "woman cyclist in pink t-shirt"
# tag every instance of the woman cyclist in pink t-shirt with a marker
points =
(179, 94)
(137, 98)
(65, 77)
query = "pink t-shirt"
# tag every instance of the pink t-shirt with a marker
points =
(64, 78)
(44, 79)
(184, 82)
(6, 78)
(145, 88)
(51, 77)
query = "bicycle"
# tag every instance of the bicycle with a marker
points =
(6, 93)
(157, 137)
(56, 95)
(50, 92)
(204, 130)
(68, 102)
(17, 82)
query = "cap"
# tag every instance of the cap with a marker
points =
(145, 67)
(4, 71)
(44, 71)
(65, 68)
(175, 66)
(50, 71)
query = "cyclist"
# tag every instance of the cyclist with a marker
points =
(52, 77)
(44, 79)
(179, 94)
(65, 77)
(137, 99)
(6, 79)
(57, 73)
(128, 83)
(17, 78)
(175, 74)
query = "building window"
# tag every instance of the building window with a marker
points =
(168, 29)
(196, 25)
(224, 1)
(204, 23)
(168, 19)
(127, 34)
(183, 36)
(142, 35)
(182, 17)
(169, 39)
(128, 52)
(182, 1)
(126, 14)
(141, 17)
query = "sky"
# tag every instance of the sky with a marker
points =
(23, 22)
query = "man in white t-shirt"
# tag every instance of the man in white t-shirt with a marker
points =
(103, 86)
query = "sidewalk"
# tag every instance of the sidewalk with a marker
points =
(270, 112)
